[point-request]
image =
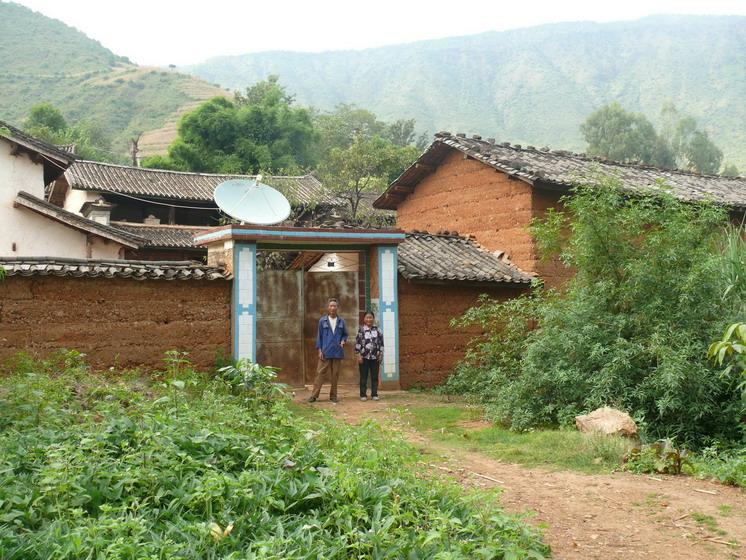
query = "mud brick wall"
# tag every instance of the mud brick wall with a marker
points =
(428, 347)
(115, 321)
(472, 198)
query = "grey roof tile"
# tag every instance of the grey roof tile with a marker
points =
(563, 169)
(90, 268)
(162, 235)
(451, 257)
(181, 185)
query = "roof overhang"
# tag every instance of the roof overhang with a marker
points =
(298, 238)
(30, 202)
(426, 164)
(54, 160)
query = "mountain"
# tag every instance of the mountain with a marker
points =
(42, 59)
(533, 85)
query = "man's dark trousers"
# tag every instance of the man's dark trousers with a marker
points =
(368, 367)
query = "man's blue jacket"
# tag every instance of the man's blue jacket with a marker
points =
(330, 343)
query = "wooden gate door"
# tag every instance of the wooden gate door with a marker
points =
(319, 287)
(279, 325)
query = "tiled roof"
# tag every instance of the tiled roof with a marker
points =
(162, 235)
(181, 185)
(451, 257)
(563, 169)
(76, 221)
(20, 137)
(90, 268)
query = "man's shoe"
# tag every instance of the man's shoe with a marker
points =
(312, 399)
(363, 399)
(376, 398)
(335, 399)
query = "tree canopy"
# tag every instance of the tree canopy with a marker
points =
(262, 129)
(619, 135)
(45, 121)
(258, 131)
(365, 166)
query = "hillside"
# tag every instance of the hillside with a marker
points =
(533, 85)
(42, 59)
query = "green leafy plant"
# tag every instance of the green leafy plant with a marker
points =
(731, 352)
(661, 457)
(116, 471)
(253, 379)
(177, 362)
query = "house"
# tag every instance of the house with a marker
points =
(492, 191)
(168, 208)
(31, 226)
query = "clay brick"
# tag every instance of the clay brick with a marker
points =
(123, 321)
(428, 347)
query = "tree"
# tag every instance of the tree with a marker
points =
(45, 118)
(619, 135)
(730, 170)
(693, 148)
(260, 130)
(341, 127)
(367, 165)
(45, 121)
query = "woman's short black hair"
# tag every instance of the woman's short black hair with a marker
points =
(369, 312)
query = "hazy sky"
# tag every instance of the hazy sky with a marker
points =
(154, 32)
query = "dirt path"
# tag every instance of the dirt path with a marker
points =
(617, 516)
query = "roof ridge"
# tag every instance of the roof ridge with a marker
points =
(169, 226)
(195, 173)
(571, 154)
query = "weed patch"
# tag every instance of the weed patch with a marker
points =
(198, 467)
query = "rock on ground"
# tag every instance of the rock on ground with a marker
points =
(609, 421)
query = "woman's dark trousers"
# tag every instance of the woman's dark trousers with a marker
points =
(368, 367)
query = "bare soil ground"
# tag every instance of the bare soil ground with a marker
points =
(615, 516)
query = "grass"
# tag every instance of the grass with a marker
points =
(454, 425)
(189, 465)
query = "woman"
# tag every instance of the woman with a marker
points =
(369, 351)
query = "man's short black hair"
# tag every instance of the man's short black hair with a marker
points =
(332, 299)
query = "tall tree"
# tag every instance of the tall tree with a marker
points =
(259, 130)
(364, 167)
(691, 146)
(730, 170)
(45, 118)
(45, 121)
(619, 135)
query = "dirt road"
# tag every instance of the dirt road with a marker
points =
(618, 516)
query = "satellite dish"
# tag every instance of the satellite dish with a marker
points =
(249, 200)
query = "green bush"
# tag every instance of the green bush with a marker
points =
(728, 467)
(632, 328)
(188, 467)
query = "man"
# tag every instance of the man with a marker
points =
(330, 343)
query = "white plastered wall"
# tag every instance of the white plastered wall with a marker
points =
(35, 235)
(76, 198)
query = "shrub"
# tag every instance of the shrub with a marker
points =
(728, 467)
(632, 328)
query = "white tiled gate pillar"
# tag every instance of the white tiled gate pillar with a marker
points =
(244, 301)
(389, 310)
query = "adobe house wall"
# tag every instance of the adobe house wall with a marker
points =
(428, 347)
(115, 320)
(472, 198)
